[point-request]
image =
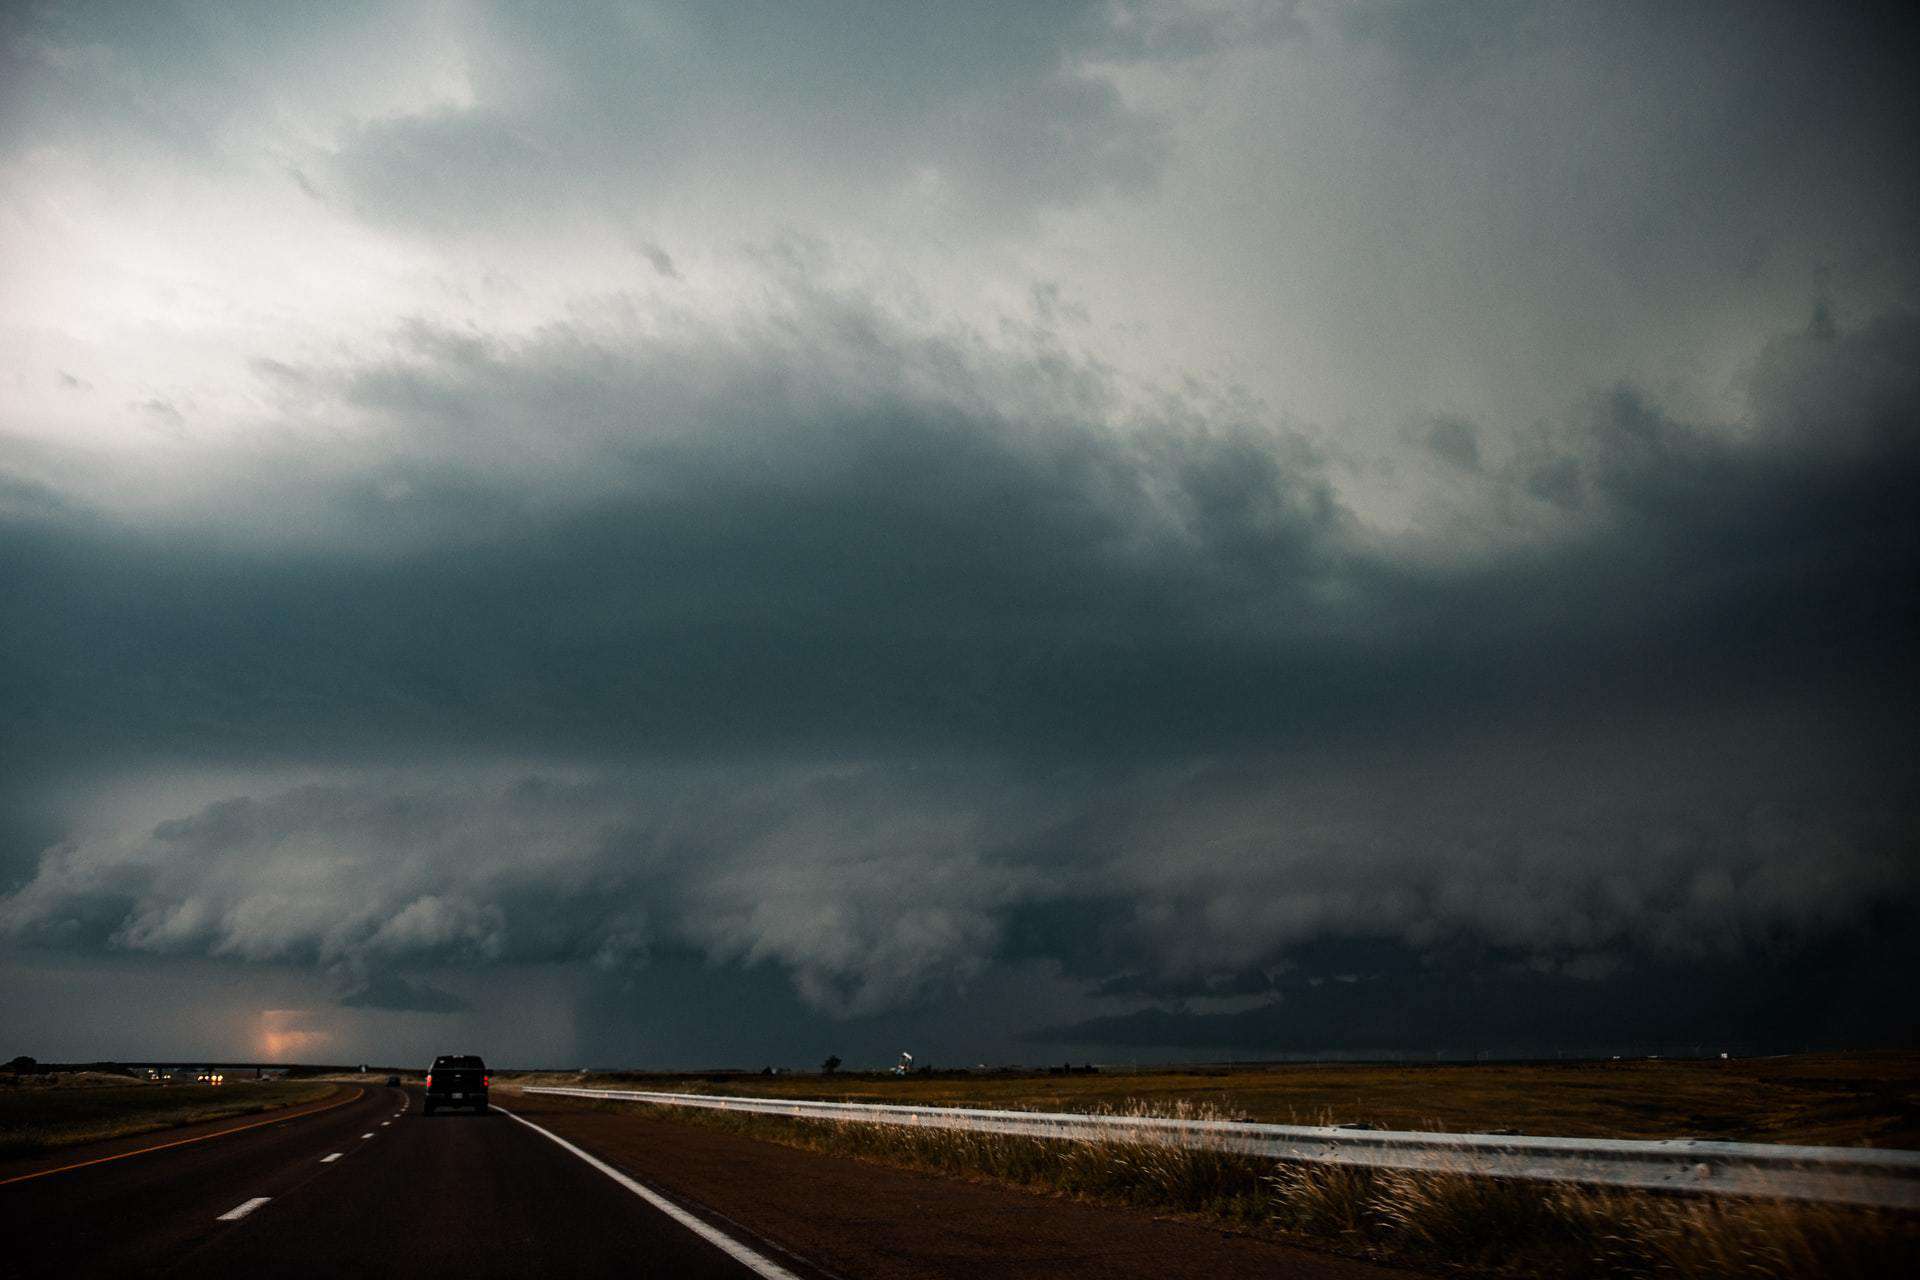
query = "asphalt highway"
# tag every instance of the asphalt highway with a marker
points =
(368, 1187)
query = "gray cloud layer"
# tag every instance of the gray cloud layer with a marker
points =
(1639, 715)
(1144, 510)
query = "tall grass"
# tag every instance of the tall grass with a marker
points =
(1504, 1227)
(1462, 1224)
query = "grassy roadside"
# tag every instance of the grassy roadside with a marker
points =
(1854, 1099)
(1453, 1224)
(37, 1120)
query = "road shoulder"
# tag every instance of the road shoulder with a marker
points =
(868, 1220)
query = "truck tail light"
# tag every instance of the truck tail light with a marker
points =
(429, 1079)
(485, 1081)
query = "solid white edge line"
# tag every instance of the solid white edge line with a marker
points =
(330, 1159)
(240, 1211)
(758, 1263)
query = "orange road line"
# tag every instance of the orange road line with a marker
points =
(181, 1142)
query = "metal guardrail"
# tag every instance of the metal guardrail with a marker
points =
(1834, 1175)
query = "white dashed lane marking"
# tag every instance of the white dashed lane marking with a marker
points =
(330, 1159)
(240, 1211)
(366, 1135)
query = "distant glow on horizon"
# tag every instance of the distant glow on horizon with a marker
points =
(286, 1035)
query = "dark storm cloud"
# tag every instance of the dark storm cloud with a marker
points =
(391, 991)
(759, 543)
(1176, 522)
(886, 660)
(1489, 1004)
(1620, 180)
(868, 885)
(720, 543)
(1456, 441)
(1746, 120)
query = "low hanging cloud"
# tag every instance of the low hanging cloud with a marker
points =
(872, 890)
(391, 991)
(878, 888)
(1127, 521)
(883, 657)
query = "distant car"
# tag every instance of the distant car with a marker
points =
(393, 1082)
(457, 1080)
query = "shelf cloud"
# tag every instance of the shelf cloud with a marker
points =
(912, 516)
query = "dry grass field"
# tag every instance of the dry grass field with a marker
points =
(1838, 1099)
(1452, 1224)
(53, 1113)
(1459, 1225)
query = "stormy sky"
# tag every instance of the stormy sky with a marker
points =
(678, 534)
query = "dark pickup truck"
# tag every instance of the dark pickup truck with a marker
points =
(457, 1080)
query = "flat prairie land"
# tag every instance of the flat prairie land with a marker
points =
(1821, 1099)
(45, 1116)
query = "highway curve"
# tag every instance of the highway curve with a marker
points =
(373, 1187)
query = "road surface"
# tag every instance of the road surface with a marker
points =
(368, 1185)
